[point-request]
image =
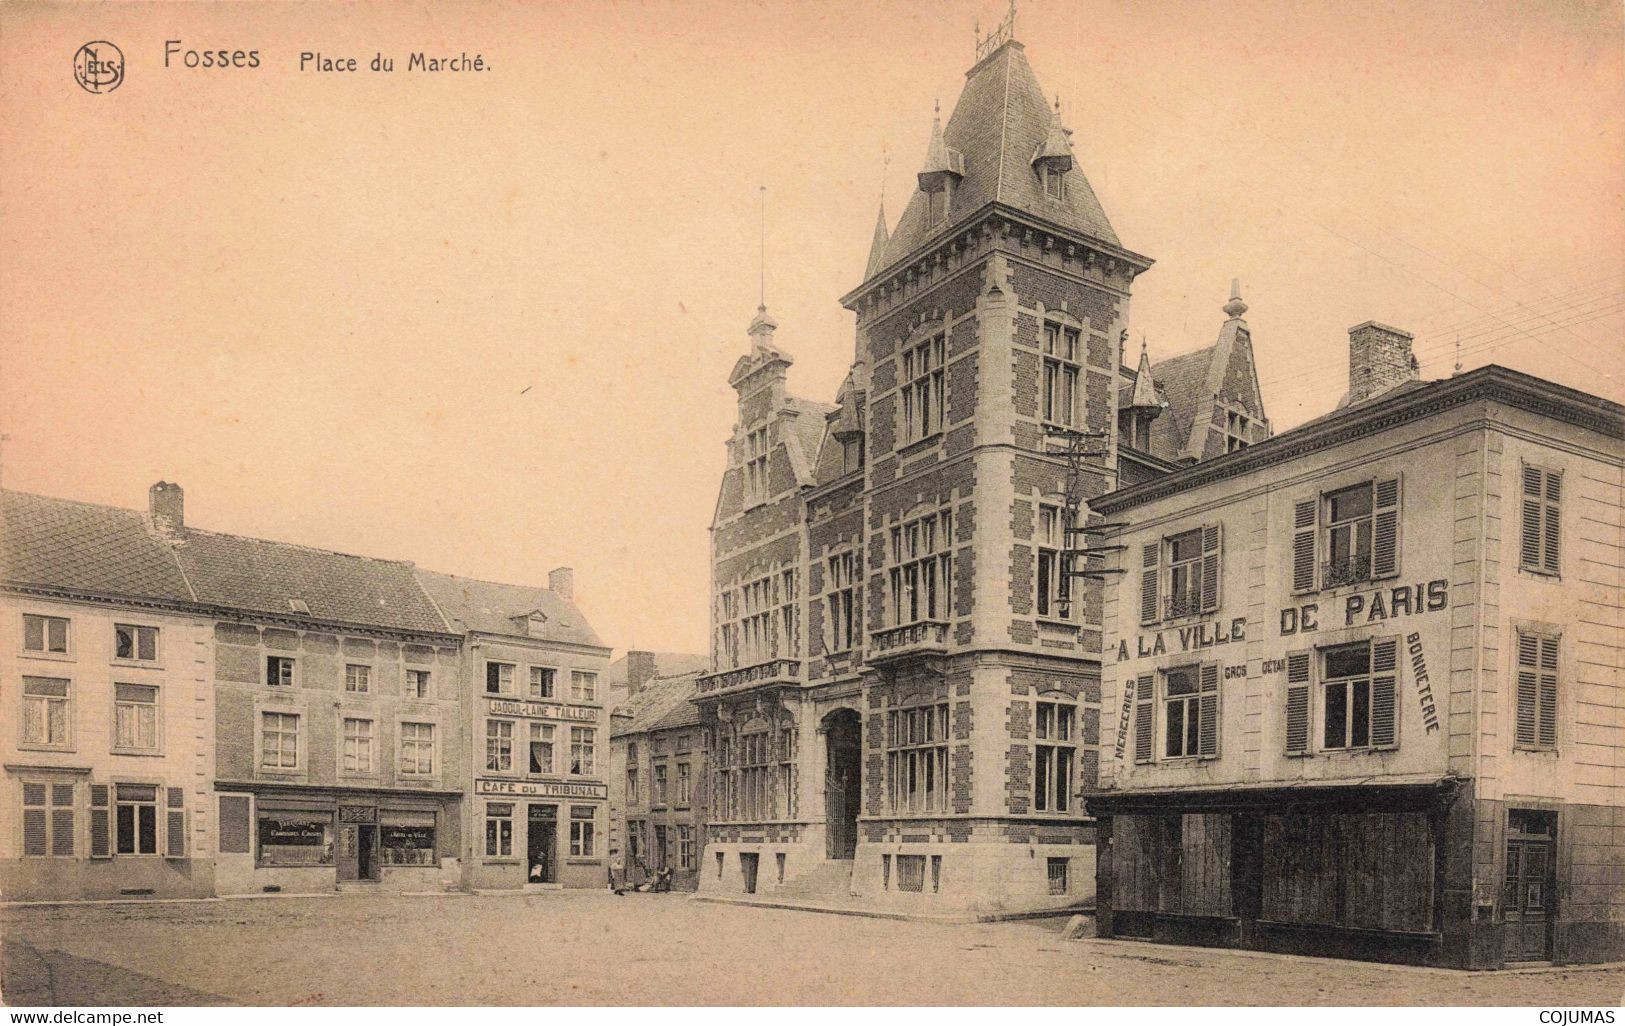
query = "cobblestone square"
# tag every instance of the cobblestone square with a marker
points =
(598, 949)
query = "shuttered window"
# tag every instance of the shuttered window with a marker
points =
(101, 822)
(1145, 712)
(1212, 535)
(1207, 741)
(1150, 563)
(1298, 666)
(1538, 548)
(175, 823)
(1305, 526)
(48, 819)
(1190, 712)
(1537, 690)
(1181, 574)
(1357, 695)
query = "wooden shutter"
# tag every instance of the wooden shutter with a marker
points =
(1297, 703)
(1207, 741)
(175, 823)
(34, 828)
(1539, 541)
(101, 823)
(1385, 529)
(1384, 700)
(1212, 547)
(62, 819)
(1552, 522)
(1144, 718)
(1528, 688)
(1546, 723)
(1149, 563)
(1529, 537)
(1305, 525)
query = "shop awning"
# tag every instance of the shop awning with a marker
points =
(1374, 794)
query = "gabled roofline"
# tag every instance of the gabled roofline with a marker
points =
(1492, 382)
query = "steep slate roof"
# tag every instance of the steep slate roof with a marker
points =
(490, 608)
(662, 703)
(806, 435)
(81, 547)
(999, 122)
(667, 664)
(1181, 379)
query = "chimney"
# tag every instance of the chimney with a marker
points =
(167, 505)
(1379, 358)
(562, 582)
(640, 670)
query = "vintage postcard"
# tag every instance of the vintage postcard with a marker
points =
(775, 503)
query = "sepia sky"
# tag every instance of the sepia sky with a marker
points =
(484, 320)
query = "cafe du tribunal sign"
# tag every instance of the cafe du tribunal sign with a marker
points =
(539, 789)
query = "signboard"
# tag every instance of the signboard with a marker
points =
(544, 710)
(539, 789)
(291, 831)
(358, 814)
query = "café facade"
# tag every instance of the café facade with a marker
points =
(1355, 697)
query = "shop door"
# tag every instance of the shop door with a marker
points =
(349, 853)
(660, 848)
(541, 840)
(1527, 903)
(367, 851)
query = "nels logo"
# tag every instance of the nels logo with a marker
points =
(99, 67)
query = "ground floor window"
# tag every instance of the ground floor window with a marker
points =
(136, 819)
(1058, 871)
(685, 846)
(291, 837)
(581, 830)
(47, 819)
(498, 830)
(911, 872)
(407, 838)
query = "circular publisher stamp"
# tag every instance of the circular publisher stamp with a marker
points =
(98, 67)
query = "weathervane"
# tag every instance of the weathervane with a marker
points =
(1002, 33)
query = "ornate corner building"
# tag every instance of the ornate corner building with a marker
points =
(904, 696)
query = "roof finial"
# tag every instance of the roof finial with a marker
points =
(1235, 308)
(761, 296)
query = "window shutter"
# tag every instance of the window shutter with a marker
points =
(1152, 556)
(1297, 703)
(1385, 530)
(62, 819)
(1529, 537)
(101, 825)
(1546, 725)
(1384, 701)
(1552, 522)
(175, 825)
(1144, 720)
(34, 819)
(1528, 687)
(1212, 546)
(1305, 523)
(1207, 742)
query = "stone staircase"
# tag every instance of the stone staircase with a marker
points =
(831, 879)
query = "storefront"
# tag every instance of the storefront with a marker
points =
(538, 835)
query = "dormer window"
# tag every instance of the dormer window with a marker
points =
(1054, 183)
(937, 205)
(756, 449)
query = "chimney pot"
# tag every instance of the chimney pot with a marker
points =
(562, 582)
(640, 670)
(166, 503)
(1380, 357)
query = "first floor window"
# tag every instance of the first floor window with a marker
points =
(685, 784)
(1537, 690)
(1181, 712)
(922, 569)
(279, 671)
(417, 749)
(417, 683)
(134, 642)
(917, 760)
(1054, 565)
(499, 678)
(45, 634)
(358, 678)
(542, 681)
(136, 819)
(357, 745)
(581, 830)
(499, 746)
(841, 632)
(47, 819)
(1357, 694)
(582, 740)
(1542, 520)
(1054, 755)
(45, 711)
(279, 740)
(922, 391)
(541, 748)
(135, 717)
(498, 829)
(632, 785)
(1063, 365)
(583, 686)
(660, 784)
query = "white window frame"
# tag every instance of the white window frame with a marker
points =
(45, 651)
(583, 832)
(419, 683)
(840, 628)
(1052, 577)
(583, 686)
(410, 760)
(49, 809)
(156, 805)
(282, 729)
(685, 785)
(1189, 703)
(498, 745)
(504, 677)
(917, 745)
(543, 682)
(155, 711)
(542, 734)
(46, 703)
(920, 578)
(357, 679)
(1055, 754)
(353, 745)
(499, 841)
(583, 751)
(758, 446)
(137, 630)
(282, 661)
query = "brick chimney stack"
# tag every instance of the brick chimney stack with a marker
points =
(1379, 358)
(562, 582)
(167, 505)
(640, 670)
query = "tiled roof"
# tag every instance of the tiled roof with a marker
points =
(1182, 380)
(1000, 121)
(491, 608)
(80, 547)
(661, 703)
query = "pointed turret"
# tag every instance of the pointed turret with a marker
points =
(943, 164)
(761, 328)
(877, 248)
(1055, 152)
(1144, 395)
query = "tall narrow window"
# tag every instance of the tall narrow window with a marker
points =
(135, 717)
(583, 820)
(1181, 715)
(542, 681)
(917, 758)
(541, 748)
(756, 470)
(1054, 755)
(922, 392)
(499, 746)
(139, 644)
(1348, 536)
(785, 643)
(922, 568)
(417, 749)
(1062, 367)
(840, 632)
(357, 743)
(1054, 565)
(785, 801)
(1185, 573)
(136, 819)
(685, 784)
(1537, 690)
(46, 712)
(279, 741)
(45, 634)
(582, 742)
(1538, 547)
(498, 830)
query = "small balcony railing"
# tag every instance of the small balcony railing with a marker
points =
(927, 637)
(1352, 570)
(1176, 606)
(774, 671)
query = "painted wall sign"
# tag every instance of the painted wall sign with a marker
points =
(1122, 716)
(1424, 690)
(1272, 666)
(1371, 606)
(545, 710)
(1237, 672)
(1190, 639)
(540, 789)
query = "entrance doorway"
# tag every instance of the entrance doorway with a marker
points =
(541, 840)
(358, 852)
(843, 781)
(1527, 901)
